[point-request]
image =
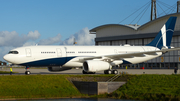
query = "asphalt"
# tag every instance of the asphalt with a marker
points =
(21, 71)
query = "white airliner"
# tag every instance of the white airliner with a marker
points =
(92, 58)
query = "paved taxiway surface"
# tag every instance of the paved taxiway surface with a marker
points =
(21, 71)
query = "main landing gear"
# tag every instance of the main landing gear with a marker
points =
(105, 72)
(27, 72)
(111, 72)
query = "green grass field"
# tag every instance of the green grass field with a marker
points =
(36, 86)
(150, 87)
(141, 87)
(6, 72)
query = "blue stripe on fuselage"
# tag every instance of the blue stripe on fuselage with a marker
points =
(55, 62)
(49, 62)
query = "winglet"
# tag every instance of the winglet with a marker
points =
(164, 37)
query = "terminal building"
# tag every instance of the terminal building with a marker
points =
(117, 34)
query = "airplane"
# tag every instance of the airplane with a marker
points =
(92, 58)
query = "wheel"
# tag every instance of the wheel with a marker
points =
(27, 72)
(109, 72)
(115, 72)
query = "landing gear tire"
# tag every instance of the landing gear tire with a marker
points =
(114, 72)
(110, 72)
(27, 72)
(107, 72)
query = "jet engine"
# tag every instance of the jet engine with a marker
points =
(58, 68)
(95, 65)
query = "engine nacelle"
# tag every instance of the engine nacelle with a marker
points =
(94, 66)
(58, 68)
(116, 62)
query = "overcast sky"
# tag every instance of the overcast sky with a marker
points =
(58, 22)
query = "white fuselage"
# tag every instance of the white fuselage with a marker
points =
(70, 56)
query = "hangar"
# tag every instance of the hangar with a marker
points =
(117, 34)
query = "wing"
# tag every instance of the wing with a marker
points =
(128, 55)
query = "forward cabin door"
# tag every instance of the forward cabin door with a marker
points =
(28, 52)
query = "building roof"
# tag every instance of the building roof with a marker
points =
(93, 31)
(107, 25)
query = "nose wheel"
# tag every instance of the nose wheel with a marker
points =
(27, 72)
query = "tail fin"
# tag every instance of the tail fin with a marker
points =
(164, 37)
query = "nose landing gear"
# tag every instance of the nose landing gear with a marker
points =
(27, 72)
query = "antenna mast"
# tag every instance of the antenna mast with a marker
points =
(74, 41)
(178, 6)
(153, 10)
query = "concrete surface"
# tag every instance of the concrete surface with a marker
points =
(21, 71)
(92, 88)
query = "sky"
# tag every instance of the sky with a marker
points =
(58, 22)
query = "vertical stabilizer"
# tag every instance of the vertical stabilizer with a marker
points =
(164, 37)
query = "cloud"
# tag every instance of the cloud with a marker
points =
(29, 43)
(82, 38)
(11, 40)
(33, 35)
(15, 40)
(50, 41)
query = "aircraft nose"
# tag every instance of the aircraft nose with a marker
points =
(11, 58)
(7, 58)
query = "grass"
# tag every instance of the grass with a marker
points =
(141, 87)
(36, 86)
(41, 86)
(149, 87)
(6, 72)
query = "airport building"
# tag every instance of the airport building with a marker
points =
(117, 34)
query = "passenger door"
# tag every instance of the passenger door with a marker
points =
(28, 52)
(59, 52)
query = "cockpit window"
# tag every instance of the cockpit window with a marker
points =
(13, 52)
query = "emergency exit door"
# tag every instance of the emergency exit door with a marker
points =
(59, 53)
(28, 52)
